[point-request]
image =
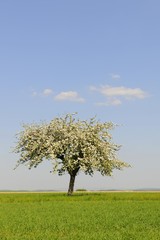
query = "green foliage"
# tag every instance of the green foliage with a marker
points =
(90, 216)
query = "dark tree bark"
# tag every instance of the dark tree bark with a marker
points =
(71, 184)
(72, 180)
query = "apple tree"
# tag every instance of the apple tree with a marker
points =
(72, 145)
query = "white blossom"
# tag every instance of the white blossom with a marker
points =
(71, 144)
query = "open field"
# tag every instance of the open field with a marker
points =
(94, 216)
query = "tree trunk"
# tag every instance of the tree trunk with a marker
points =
(71, 184)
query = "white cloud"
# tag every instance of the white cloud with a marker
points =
(47, 92)
(115, 76)
(125, 92)
(113, 102)
(34, 93)
(93, 88)
(69, 96)
(115, 95)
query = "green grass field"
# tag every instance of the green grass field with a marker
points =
(97, 216)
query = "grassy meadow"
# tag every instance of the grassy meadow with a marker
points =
(94, 216)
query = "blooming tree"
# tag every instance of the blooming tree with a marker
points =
(72, 145)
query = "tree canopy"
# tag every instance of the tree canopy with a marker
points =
(72, 145)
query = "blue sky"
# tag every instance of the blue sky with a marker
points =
(91, 57)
